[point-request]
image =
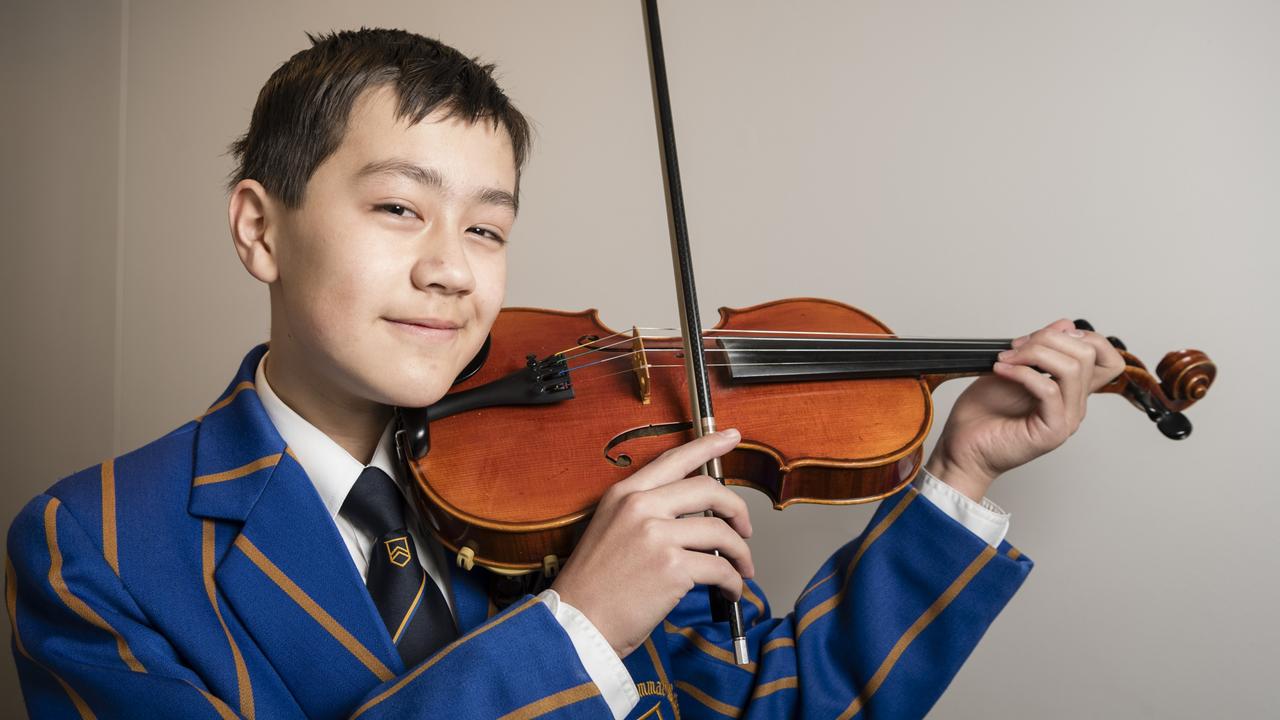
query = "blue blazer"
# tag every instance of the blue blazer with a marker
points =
(201, 576)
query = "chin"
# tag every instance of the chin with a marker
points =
(420, 388)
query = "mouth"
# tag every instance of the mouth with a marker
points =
(427, 328)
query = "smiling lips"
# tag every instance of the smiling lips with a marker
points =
(430, 328)
(430, 323)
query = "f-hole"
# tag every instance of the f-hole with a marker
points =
(624, 460)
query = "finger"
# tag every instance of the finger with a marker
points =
(706, 534)
(1061, 325)
(1072, 343)
(1064, 368)
(1043, 389)
(697, 495)
(704, 569)
(679, 462)
(1108, 362)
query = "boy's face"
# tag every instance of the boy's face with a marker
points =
(393, 268)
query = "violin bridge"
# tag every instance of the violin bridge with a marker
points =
(640, 365)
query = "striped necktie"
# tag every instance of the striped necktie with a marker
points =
(411, 605)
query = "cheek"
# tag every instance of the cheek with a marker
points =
(329, 291)
(491, 284)
(325, 302)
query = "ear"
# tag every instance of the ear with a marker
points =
(255, 222)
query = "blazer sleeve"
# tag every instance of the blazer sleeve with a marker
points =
(84, 648)
(520, 663)
(879, 632)
(82, 645)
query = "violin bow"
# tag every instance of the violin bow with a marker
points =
(704, 419)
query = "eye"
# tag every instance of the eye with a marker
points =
(487, 233)
(397, 210)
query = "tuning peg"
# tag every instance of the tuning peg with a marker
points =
(1116, 342)
(1174, 425)
(1171, 423)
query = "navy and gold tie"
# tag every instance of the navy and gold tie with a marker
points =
(410, 603)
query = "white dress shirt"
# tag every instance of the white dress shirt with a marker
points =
(334, 471)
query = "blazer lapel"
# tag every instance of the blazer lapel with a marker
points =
(286, 572)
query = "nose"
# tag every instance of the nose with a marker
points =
(442, 265)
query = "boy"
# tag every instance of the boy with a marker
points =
(261, 560)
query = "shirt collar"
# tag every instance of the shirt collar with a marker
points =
(331, 468)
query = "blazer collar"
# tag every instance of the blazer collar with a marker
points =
(237, 449)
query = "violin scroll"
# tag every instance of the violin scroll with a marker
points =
(1184, 377)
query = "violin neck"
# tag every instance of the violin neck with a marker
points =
(762, 360)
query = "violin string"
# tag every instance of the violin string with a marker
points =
(883, 336)
(748, 334)
(579, 381)
(590, 350)
(858, 341)
(595, 340)
(828, 350)
(592, 345)
(648, 366)
(632, 353)
(995, 345)
(941, 343)
(612, 358)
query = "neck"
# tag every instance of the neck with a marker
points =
(354, 423)
(787, 359)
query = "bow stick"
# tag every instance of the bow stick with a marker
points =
(704, 420)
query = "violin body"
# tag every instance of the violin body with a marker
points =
(517, 484)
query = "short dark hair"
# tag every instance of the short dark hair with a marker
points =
(302, 111)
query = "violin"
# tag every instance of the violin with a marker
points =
(832, 406)
(833, 409)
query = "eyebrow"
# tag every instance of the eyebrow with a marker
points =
(431, 177)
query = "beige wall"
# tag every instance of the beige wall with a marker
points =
(59, 138)
(970, 168)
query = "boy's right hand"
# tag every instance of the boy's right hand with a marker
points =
(638, 556)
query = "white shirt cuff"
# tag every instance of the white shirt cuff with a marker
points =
(597, 656)
(986, 519)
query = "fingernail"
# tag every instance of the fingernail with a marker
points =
(732, 434)
(1073, 332)
(1005, 355)
(1018, 341)
(1002, 365)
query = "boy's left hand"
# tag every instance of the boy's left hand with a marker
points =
(1007, 419)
